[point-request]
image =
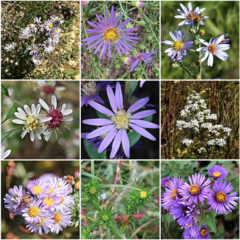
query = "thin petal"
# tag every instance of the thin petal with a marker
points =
(142, 132)
(143, 114)
(54, 101)
(101, 108)
(119, 96)
(27, 109)
(204, 57)
(66, 112)
(67, 119)
(112, 99)
(107, 140)
(137, 105)
(32, 136)
(44, 104)
(100, 131)
(125, 143)
(17, 121)
(97, 121)
(210, 60)
(116, 144)
(145, 124)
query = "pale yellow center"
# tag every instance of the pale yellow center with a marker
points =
(110, 34)
(121, 119)
(220, 197)
(33, 211)
(212, 48)
(31, 123)
(51, 190)
(37, 190)
(143, 194)
(194, 189)
(61, 200)
(48, 201)
(216, 174)
(78, 185)
(178, 45)
(56, 30)
(57, 217)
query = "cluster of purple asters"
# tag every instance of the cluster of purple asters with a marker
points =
(108, 33)
(46, 204)
(50, 32)
(179, 47)
(185, 201)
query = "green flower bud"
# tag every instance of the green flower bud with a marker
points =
(117, 66)
(142, 23)
(198, 63)
(141, 46)
(149, 38)
(134, 52)
(198, 77)
(192, 30)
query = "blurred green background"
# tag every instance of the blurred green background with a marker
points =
(67, 144)
(19, 173)
(223, 18)
(227, 225)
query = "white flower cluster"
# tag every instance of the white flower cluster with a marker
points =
(197, 119)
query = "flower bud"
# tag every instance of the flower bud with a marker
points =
(141, 46)
(11, 61)
(192, 30)
(77, 185)
(16, 63)
(201, 15)
(134, 52)
(149, 38)
(142, 23)
(129, 25)
(198, 63)
(196, 42)
(198, 77)
(126, 60)
(174, 65)
(198, 20)
(77, 174)
(201, 32)
(69, 179)
(6, 59)
(117, 66)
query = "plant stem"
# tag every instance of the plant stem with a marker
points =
(199, 53)
(186, 69)
(125, 16)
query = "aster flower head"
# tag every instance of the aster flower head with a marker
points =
(50, 201)
(61, 220)
(179, 48)
(189, 15)
(220, 199)
(10, 47)
(54, 38)
(36, 187)
(217, 172)
(165, 181)
(37, 20)
(37, 59)
(56, 20)
(120, 120)
(33, 121)
(108, 33)
(57, 115)
(33, 49)
(213, 48)
(203, 232)
(49, 87)
(225, 39)
(4, 154)
(65, 203)
(49, 25)
(48, 47)
(25, 33)
(197, 190)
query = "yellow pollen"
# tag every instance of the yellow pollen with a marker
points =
(42, 221)
(173, 194)
(50, 26)
(216, 174)
(92, 191)
(32, 123)
(15, 196)
(212, 48)
(33, 211)
(194, 189)
(78, 184)
(56, 30)
(188, 225)
(143, 194)
(37, 190)
(191, 16)
(48, 201)
(57, 217)
(61, 200)
(220, 197)
(178, 45)
(110, 34)
(166, 184)
(51, 190)
(203, 232)
(121, 119)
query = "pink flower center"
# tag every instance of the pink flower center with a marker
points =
(48, 89)
(57, 119)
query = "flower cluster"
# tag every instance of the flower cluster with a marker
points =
(49, 32)
(45, 205)
(186, 201)
(36, 123)
(199, 120)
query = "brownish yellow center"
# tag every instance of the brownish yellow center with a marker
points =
(191, 16)
(173, 194)
(203, 232)
(216, 174)
(220, 197)
(212, 48)
(194, 189)
(110, 34)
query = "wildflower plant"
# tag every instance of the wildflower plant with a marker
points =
(194, 19)
(194, 200)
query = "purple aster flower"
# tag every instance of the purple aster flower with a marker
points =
(189, 15)
(120, 121)
(10, 47)
(65, 203)
(139, 57)
(165, 181)
(61, 220)
(186, 234)
(48, 47)
(77, 174)
(58, 186)
(225, 39)
(46, 177)
(169, 197)
(217, 172)
(178, 49)
(198, 190)
(33, 49)
(203, 232)
(36, 187)
(220, 200)
(108, 33)
(54, 38)
(37, 59)
(50, 201)
(213, 48)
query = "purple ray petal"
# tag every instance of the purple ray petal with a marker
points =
(104, 49)
(119, 52)
(124, 23)
(100, 131)
(101, 108)
(137, 105)
(116, 144)
(112, 99)
(125, 143)
(99, 46)
(142, 132)
(107, 140)
(144, 124)
(143, 114)
(97, 121)
(95, 44)
(119, 96)
(91, 39)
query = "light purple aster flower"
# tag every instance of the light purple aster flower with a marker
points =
(217, 172)
(178, 49)
(37, 20)
(54, 38)
(36, 187)
(203, 232)
(60, 185)
(61, 220)
(119, 122)
(33, 49)
(56, 20)
(108, 33)
(139, 57)
(213, 48)
(25, 33)
(66, 202)
(48, 47)
(171, 194)
(198, 190)
(37, 59)
(189, 15)
(220, 200)
(10, 47)
(49, 26)
(165, 181)
(225, 39)
(50, 201)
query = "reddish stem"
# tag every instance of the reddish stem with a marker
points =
(83, 214)
(117, 175)
(136, 216)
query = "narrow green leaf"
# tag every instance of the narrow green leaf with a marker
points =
(210, 221)
(27, 101)
(6, 134)
(4, 90)
(11, 112)
(93, 154)
(90, 175)
(118, 185)
(116, 231)
(132, 87)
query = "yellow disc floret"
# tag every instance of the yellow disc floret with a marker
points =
(220, 197)
(143, 194)
(203, 232)
(121, 119)
(110, 34)
(57, 218)
(37, 190)
(194, 189)
(31, 123)
(42, 221)
(33, 211)
(178, 45)
(50, 26)
(216, 174)
(48, 201)
(173, 194)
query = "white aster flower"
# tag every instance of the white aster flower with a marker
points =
(187, 142)
(4, 154)
(49, 87)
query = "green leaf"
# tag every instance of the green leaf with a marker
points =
(4, 90)
(101, 115)
(93, 154)
(90, 175)
(150, 204)
(11, 112)
(6, 134)
(118, 185)
(27, 101)
(132, 87)
(210, 221)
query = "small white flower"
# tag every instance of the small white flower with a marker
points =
(187, 142)
(49, 87)
(4, 154)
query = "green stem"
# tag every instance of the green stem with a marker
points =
(186, 69)
(199, 53)
(125, 16)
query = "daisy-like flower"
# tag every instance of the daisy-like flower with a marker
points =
(60, 185)
(33, 49)
(25, 33)
(214, 48)
(37, 59)
(49, 26)
(108, 33)
(49, 87)
(50, 201)
(169, 197)
(37, 20)
(66, 202)
(33, 121)
(203, 232)
(217, 172)
(54, 38)
(57, 30)
(61, 220)
(165, 181)
(36, 187)
(220, 200)
(58, 116)
(198, 190)
(189, 15)
(119, 122)
(139, 57)
(56, 20)
(10, 47)
(178, 49)
(4, 154)
(48, 47)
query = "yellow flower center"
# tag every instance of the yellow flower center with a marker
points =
(48, 201)
(194, 189)
(31, 123)
(220, 197)
(57, 218)
(105, 218)
(203, 232)
(42, 221)
(216, 174)
(89, 88)
(110, 34)
(37, 190)
(121, 119)
(173, 194)
(50, 191)
(50, 26)
(56, 30)
(92, 191)
(178, 45)
(78, 185)
(191, 16)
(212, 48)
(166, 184)
(143, 194)
(33, 211)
